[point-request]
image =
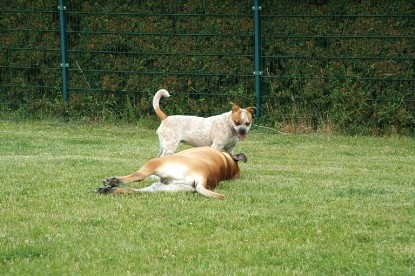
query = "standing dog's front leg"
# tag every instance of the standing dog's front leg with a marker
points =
(227, 146)
(222, 147)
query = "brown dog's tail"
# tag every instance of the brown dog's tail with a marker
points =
(156, 100)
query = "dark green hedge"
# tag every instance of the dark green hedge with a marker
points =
(348, 64)
(328, 65)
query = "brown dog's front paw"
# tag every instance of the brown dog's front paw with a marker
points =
(111, 182)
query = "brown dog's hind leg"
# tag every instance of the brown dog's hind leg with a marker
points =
(116, 181)
(145, 171)
(119, 191)
(108, 184)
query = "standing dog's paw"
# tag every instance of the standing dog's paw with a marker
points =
(111, 182)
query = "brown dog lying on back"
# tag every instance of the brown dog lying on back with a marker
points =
(193, 170)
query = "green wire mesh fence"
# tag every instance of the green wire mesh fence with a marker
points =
(349, 64)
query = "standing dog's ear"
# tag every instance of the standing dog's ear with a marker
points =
(235, 108)
(250, 109)
(240, 157)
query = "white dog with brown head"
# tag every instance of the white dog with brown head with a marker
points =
(221, 132)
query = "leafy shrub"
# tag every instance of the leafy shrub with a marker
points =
(328, 65)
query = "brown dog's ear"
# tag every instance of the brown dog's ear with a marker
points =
(250, 109)
(240, 157)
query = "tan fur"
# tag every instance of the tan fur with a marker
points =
(192, 170)
(221, 132)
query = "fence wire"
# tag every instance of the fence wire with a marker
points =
(317, 56)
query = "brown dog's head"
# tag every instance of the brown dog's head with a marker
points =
(233, 171)
(240, 157)
(241, 120)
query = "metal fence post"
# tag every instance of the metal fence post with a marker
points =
(257, 55)
(64, 49)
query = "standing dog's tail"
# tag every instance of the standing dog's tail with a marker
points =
(156, 100)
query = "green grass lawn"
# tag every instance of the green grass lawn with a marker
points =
(305, 204)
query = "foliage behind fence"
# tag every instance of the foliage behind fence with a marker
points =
(342, 64)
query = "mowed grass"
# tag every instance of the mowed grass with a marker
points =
(305, 204)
